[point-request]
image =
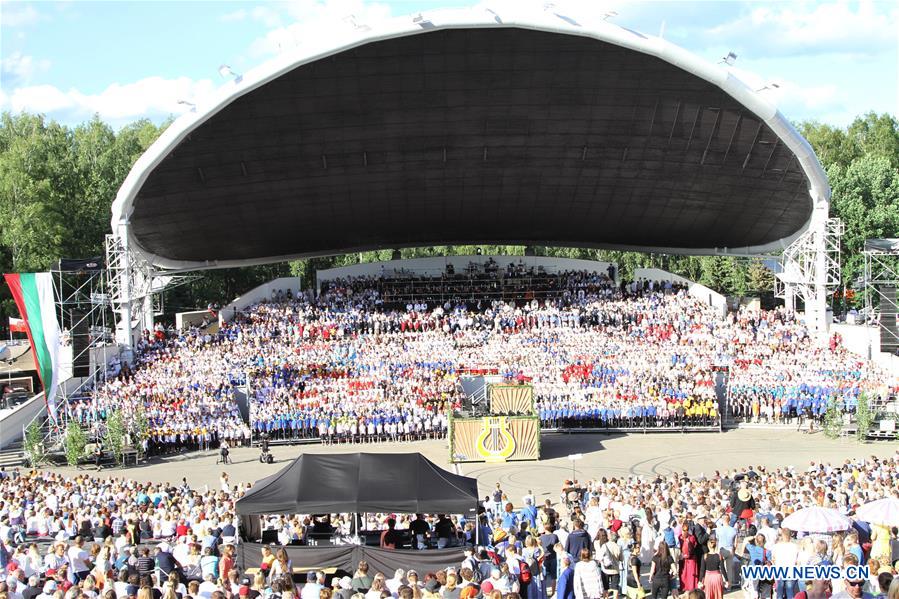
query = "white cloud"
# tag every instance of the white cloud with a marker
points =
(118, 104)
(795, 99)
(237, 15)
(20, 68)
(790, 28)
(18, 14)
(267, 16)
(316, 21)
(263, 14)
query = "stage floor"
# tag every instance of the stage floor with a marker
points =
(604, 455)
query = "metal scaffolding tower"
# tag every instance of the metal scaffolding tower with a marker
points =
(135, 289)
(811, 270)
(881, 280)
(86, 325)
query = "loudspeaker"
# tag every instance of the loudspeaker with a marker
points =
(269, 536)
(81, 358)
(889, 333)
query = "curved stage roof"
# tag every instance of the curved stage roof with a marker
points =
(452, 129)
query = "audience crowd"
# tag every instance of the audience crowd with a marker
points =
(350, 365)
(85, 537)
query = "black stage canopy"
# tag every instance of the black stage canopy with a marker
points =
(488, 134)
(882, 245)
(361, 482)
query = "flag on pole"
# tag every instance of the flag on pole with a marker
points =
(33, 294)
(17, 325)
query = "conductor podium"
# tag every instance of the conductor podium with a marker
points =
(509, 432)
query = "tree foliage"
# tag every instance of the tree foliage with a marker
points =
(33, 444)
(116, 437)
(862, 164)
(833, 421)
(57, 184)
(864, 417)
(75, 443)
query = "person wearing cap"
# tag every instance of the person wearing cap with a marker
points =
(246, 589)
(314, 584)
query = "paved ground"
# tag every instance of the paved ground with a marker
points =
(603, 455)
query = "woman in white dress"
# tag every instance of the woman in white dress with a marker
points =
(647, 537)
(587, 580)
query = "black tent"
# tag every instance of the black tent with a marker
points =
(361, 482)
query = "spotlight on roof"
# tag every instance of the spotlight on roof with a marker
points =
(730, 59)
(422, 22)
(225, 71)
(495, 16)
(351, 20)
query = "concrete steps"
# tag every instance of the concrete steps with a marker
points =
(12, 456)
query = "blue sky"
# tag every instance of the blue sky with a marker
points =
(832, 60)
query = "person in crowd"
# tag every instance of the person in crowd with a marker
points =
(711, 571)
(587, 581)
(662, 573)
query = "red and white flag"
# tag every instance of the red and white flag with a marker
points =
(17, 325)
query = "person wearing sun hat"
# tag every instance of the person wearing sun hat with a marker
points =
(740, 502)
(344, 588)
(499, 537)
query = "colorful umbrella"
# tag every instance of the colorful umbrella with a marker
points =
(883, 511)
(816, 519)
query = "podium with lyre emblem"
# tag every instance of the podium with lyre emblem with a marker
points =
(510, 432)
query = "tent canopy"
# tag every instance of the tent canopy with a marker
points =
(361, 482)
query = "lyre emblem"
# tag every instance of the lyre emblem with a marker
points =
(495, 443)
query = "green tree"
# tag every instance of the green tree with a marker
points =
(862, 164)
(866, 198)
(33, 444)
(57, 185)
(75, 443)
(833, 421)
(116, 437)
(759, 278)
(864, 417)
(140, 429)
